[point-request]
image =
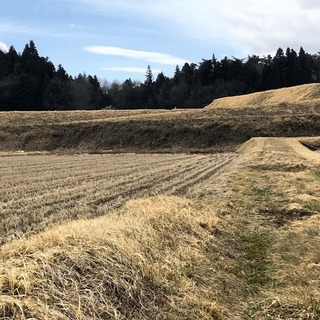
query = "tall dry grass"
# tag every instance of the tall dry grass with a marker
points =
(148, 261)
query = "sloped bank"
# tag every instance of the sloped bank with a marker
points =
(136, 135)
(203, 133)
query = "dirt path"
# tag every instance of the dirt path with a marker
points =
(276, 196)
(278, 150)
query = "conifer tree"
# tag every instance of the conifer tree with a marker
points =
(149, 76)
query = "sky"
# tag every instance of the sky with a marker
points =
(118, 39)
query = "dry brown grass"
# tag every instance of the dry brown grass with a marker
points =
(283, 183)
(292, 95)
(68, 117)
(145, 262)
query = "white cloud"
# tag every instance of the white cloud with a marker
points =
(310, 4)
(130, 69)
(248, 26)
(4, 48)
(263, 27)
(155, 57)
(49, 31)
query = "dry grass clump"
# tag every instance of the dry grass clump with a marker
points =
(147, 262)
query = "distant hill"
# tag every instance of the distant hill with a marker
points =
(307, 93)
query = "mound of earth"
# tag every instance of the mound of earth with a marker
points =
(292, 95)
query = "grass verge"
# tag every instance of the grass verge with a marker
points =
(146, 262)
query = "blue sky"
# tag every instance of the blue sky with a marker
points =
(118, 39)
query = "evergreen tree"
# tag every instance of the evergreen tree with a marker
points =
(188, 73)
(280, 69)
(58, 95)
(162, 86)
(205, 72)
(149, 77)
(292, 68)
(61, 73)
(305, 66)
(177, 74)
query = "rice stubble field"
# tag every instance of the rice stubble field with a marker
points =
(38, 191)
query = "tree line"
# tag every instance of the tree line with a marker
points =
(31, 82)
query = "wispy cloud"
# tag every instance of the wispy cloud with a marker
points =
(75, 26)
(130, 69)
(10, 27)
(155, 57)
(4, 48)
(248, 26)
(48, 31)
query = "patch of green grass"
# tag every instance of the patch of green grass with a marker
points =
(311, 206)
(317, 173)
(260, 192)
(255, 265)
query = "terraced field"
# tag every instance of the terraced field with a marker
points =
(37, 191)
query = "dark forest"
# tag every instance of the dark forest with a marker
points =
(31, 82)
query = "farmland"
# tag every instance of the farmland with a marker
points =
(161, 236)
(136, 215)
(40, 190)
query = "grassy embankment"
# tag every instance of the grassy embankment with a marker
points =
(221, 126)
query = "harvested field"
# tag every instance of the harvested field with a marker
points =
(37, 191)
